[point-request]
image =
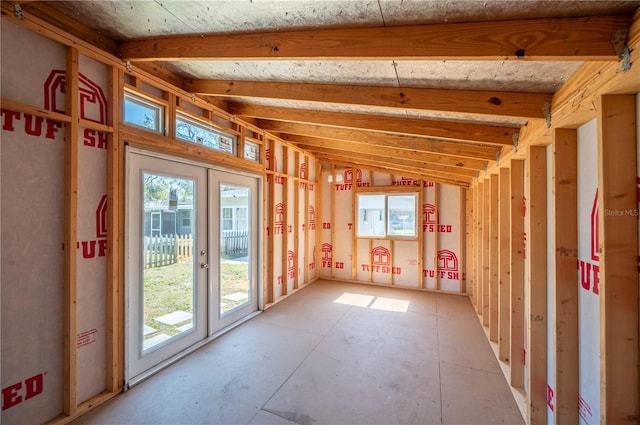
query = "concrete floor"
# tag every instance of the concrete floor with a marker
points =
(333, 353)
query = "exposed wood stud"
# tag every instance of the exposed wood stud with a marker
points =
(70, 282)
(115, 237)
(504, 265)
(536, 287)
(516, 189)
(565, 275)
(486, 252)
(493, 257)
(618, 224)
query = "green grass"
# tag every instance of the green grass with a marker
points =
(169, 288)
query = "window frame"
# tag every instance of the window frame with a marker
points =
(207, 127)
(388, 232)
(143, 102)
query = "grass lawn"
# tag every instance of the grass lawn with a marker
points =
(169, 288)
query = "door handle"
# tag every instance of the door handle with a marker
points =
(204, 265)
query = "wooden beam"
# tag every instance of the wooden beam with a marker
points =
(516, 190)
(115, 236)
(618, 222)
(464, 132)
(464, 235)
(14, 105)
(504, 265)
(536, 287)
(565, 275)
(287, 204)
(414, 173)
(493, 257)
(486, 251)
(329, 135)
(390, 168)
(436, 244)
(479, 246)
(70, 279)
(497, 103)
(583, 38)
(336, 147)
(395, 161)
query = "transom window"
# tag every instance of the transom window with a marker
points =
(387, 215)
(143, 113)
(193, 131)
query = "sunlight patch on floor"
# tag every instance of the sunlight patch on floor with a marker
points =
(377, 303)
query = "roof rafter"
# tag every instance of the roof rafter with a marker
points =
(582, 38)
(497, 103)
(381, 140)
(417, 159)
(382, 157)
(395, 169)
(464, 132)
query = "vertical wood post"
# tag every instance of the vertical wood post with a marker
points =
(536, 287)
(70, 282)
(471, 244)
(504, 266)
(565, 275)
(618, 223)
(486, 251)
(115, 236)
(493, 258)
(436, 277)
(479, 247)
(516, 189)
(464, 236)
(285, 230)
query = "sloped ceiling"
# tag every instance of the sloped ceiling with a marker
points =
(429, 88)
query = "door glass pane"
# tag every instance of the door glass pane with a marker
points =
(234, 247)
(168, 260)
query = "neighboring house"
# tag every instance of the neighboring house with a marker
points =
(161, 219)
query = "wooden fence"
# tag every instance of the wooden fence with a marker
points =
(170, 249)
(234, 243)
(167, 249)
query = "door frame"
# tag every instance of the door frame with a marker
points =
(130, 381)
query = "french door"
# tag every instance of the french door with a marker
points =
(192, 255)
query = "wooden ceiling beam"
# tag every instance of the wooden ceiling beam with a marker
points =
(473, 102)
(395, 170)
(581, 38)
(293, 132)
(405, 164)
(411, 160)
(386, 146)
(464, 132)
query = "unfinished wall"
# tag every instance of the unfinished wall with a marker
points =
(570, 315)
(290, 220)
(32, 152)
(430, 261)
(33, 167)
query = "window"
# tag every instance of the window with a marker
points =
(387, 215)
(227, 218)
(251, 151)
(197, 132)
(142, 113)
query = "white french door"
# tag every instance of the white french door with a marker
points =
(192, 255)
